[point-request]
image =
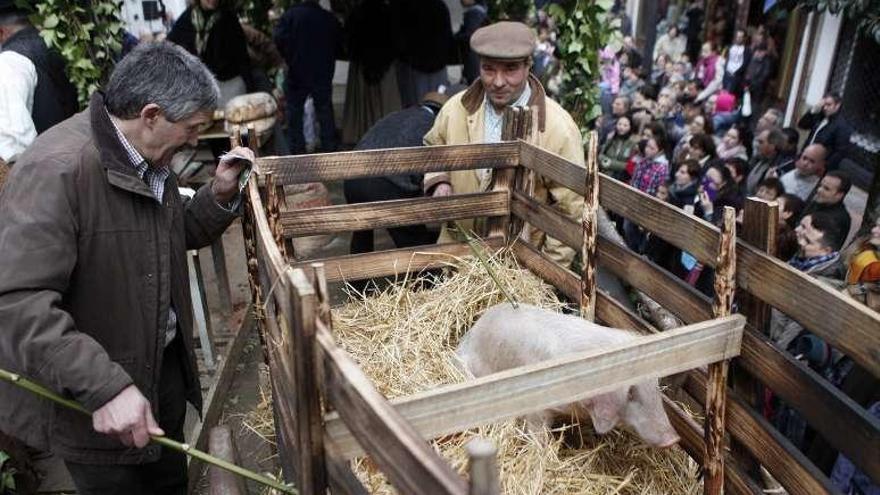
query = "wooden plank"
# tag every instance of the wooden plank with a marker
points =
(787, 464)
(342, 479)
(589, 221)
(309, 417)
(716, 387)
(687, 232)
(819, 309)
(563, 380)
(394, 213)
(395, 261)
(409, 463)
(221, 481)
(216, 396)
(326, 167)
(839, 419)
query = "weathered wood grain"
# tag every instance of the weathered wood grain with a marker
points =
(589, 226)
(376, 163)
(395, 261)
(559, 381)
(394, 213)
(410, 464)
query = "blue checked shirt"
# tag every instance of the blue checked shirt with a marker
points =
(154, 178)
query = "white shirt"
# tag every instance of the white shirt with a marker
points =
(735, 58)
(799, 185)
(18, 79)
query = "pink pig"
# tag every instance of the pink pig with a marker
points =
(505, 338)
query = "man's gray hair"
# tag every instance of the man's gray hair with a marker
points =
(165, 74)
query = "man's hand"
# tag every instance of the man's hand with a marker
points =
(128, 417)
(442, 189)
(225, 184)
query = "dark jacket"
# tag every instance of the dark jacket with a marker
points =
(55, 97)
(310, 39)
(91, 262)
(834, 136)
(402, 129)
(475, 17)
(426, 34)
(372, 38)
(226, 49)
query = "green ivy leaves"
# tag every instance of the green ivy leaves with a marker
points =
(87, 39)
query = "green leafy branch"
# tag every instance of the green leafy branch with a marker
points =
(87, 34)
(584, 28)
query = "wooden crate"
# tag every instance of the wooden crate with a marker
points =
(309, 371)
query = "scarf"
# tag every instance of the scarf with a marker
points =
(805, 264)
(203, 25)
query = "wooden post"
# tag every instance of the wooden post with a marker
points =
(716, 390)
(273, 213)
(311, 470)
(483, 473)
(517, 125)
(589, 223)
(760, 226)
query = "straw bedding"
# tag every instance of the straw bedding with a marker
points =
(404, 337)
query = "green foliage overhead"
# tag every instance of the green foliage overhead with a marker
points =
(87, 33)
(585, 27)
(866, 13)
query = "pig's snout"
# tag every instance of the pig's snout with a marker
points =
(669, 441)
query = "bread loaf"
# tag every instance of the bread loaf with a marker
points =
(253, 106)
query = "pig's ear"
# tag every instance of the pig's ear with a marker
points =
(605, 411)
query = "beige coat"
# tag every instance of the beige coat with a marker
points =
(460, 121)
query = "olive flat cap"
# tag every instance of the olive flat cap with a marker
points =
(504, 40)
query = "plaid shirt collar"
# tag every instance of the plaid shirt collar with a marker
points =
(153, 177)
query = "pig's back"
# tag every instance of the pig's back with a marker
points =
(505, 338)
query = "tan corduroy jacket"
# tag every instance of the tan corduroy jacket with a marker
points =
(460, 121)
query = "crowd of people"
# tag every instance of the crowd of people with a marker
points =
(698, 131)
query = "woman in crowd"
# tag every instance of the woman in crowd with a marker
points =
(702, 149)
(790, 209)
(733, 145)
(672, 44)
(650, 173)
(716, 191)
(683, 188)
(618, 148)
(696, 124)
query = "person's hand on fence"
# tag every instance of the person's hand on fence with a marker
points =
(128, 417)
(225, 184)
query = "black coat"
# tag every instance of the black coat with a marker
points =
(834, 136)
(426, 34)
(474, 18)
(55, 97)
(226, 51)
(310, 39)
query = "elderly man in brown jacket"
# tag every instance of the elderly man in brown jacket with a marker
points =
(94, 296)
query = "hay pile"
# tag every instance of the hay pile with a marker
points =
(404, 337)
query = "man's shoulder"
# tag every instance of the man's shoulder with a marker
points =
(558, 118)
(62, 148)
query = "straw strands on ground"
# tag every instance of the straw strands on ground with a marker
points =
(404, 337)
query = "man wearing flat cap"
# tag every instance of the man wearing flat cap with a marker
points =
(475, 116)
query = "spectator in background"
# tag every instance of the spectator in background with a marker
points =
(405, 128)
(618, 148)
(211, 31)
(757, 76)
(475, 16)
(732, 145)
(738, 169)
(769, 189)
(310, 39)
(829, 195)
(671, 44)
(425, 44)
(609, 86)
(738, 57)
(695, 14)
(790, 208)
(766, 162)
(683, 189)
(619, 107)
(716, 191)
(710, 71)
(631, 83)
(771, 118)
(650, 172)
(809, 168)
(828, 128)
(371, 92)
(702, 149)
(35, 93)
(790, 145)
